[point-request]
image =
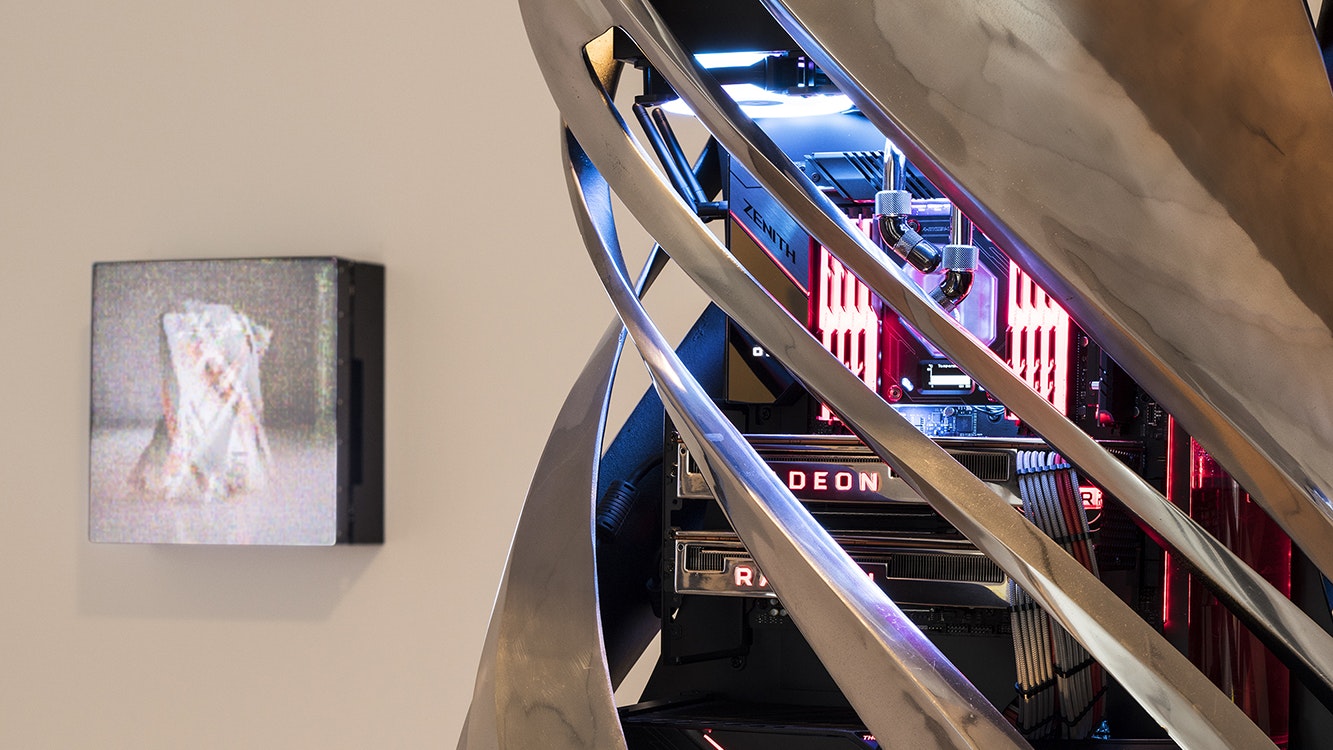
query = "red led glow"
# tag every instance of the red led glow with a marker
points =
(842, 481)
(745, 576)
(1092, 497)
(1167, 562)
(1219, 645)
(1038, 339)
(713, 742)
(845, 316)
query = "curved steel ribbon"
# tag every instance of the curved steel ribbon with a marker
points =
(901, 685)
(1175, 693)
(1304, 646)
(1170, 190)
(543, 680)
(1066, 246)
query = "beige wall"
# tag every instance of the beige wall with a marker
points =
(416, 134)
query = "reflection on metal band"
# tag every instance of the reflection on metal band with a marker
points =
(1094, 190)
(718, 565)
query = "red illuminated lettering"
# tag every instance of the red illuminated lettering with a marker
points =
(869, 482)
(743, 576)
(1092, 497)
(826, 481)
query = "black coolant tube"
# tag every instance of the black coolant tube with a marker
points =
(953, 288)
(678, 169)
(895, 234)
(893, 207)
(960, 258)
(664, 154)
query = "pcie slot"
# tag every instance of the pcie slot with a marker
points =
(913, 572)
(839, 468)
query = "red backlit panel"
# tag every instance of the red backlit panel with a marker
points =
(1219, 645)
(1038, 339)
(846, 318)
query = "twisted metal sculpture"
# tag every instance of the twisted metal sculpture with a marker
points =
(1181, 229)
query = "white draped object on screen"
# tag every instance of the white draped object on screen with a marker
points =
(210, 443)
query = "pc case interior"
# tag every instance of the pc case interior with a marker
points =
(737, 668)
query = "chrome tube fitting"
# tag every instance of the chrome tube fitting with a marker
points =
(892, 209)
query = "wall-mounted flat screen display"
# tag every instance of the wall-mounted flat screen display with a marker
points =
(229, 401)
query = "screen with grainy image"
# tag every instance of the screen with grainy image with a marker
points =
(214, 390)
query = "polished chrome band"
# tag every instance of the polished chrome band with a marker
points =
(1067, 239)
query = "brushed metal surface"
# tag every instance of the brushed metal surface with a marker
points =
(1303, 644)
(1163, 169)
(1038, 36)
(908, 694)
(543, 679)
(1169, 688)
